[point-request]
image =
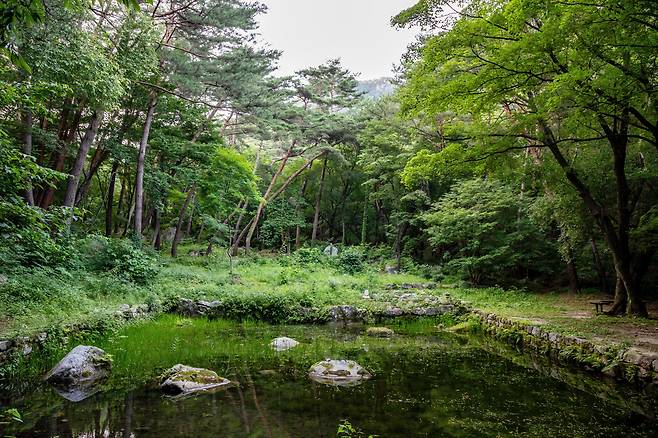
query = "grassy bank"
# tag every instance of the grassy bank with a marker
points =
(39, 300)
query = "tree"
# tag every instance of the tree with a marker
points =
(548, 76)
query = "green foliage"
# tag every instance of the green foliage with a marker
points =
(350, 260)
(483, 230)
(309, 256)
(121, 257)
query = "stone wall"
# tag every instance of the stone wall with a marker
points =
(627, 364)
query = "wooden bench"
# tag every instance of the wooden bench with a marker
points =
(598, 304)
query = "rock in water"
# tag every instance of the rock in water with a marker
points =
(78, 374)
(338, 372)
(380, 332)
(283, 343)
(181, 380)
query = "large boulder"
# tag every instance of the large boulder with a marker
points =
(182, 380)
(283, 343)
(79, 373)
(189, 307)
(345, 313)
(338, 372)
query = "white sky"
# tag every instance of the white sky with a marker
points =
(309, 32)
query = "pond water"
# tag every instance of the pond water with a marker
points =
(426, 383)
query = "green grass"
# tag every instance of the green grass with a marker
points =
(34, 301)
(40, 300)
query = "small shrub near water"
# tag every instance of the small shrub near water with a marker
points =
(121, 257)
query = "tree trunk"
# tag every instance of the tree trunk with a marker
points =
(250, 226)
(87, 140)
(401, 230)
(157, 235)
(27, 150)
(189, 221)
(619, 303)
(318, 200)
(59, 157)
(603, 277)
(179, 225)
(100, 155)
(122, 194)
(139, 176)
(261, 204)
(572, 273)
(110, 199)
(298, 228)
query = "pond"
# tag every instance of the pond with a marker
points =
(426, 383)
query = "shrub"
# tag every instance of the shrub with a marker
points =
(309, 256)
(350, 260)
(121, 257)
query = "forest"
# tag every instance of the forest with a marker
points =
(435, 239)
(518, 146)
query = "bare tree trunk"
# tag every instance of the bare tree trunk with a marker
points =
(139, 176)
(278, 191)
(87, 140)
(157, 235)
(179, 225)
(261, 204)
(603, 277)
(298, 228)
(60, 155)
(27, 150)
(318, 200)
(100, 155)
(401, 230)
(619, 303)
(110, 199)
(572, 273)
(122, 194)
(189, 221)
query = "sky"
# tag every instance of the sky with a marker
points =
(309, 32)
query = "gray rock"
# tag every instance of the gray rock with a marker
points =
(330, 250)
(390, 270)
(393, 311)
(41, 337)
(344, 313)
(407, 297)
(5, 345)
(82, 364)
(183, 380)
(189, 307)
(433, 311)
(283, 343)
(338, 372)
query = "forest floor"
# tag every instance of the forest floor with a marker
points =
(35, 302)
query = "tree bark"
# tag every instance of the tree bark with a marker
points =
(261, 204)
(298, 228)
(122, 194)
(179, 225)
(603, 277)
(87, 140)
(27, 150)
(139, 175)
(318, 200)
(572, 273)
(110, 199)
(67, 135)
(157, 234)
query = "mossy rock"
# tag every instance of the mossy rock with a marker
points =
(182, 380)
(380, 332)
(338, 372)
